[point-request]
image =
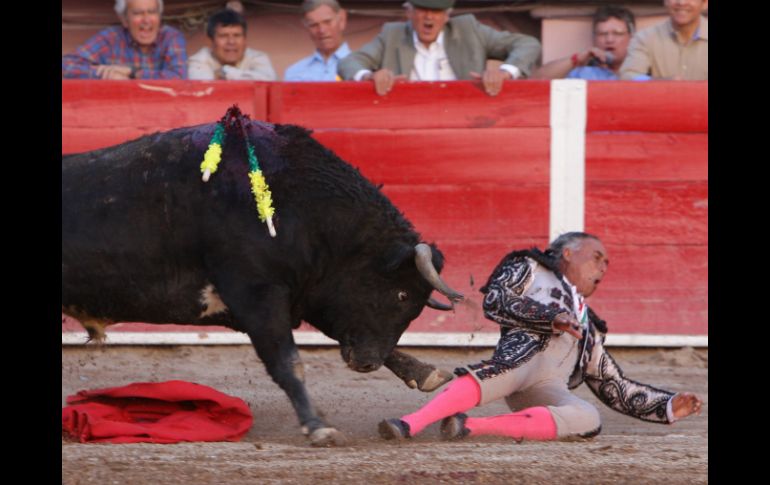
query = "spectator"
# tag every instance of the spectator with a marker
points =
(613, 27)
(141, 48)
(676, 49)
(325, 22)
(433, 47)
(229, 58)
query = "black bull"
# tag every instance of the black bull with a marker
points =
(144, 239)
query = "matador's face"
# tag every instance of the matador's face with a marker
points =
(585, 266)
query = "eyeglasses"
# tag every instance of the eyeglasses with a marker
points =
(614, 33)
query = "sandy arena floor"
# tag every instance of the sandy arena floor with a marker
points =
(274, 451)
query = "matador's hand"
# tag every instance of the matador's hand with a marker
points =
(567, 323)
(685, 403)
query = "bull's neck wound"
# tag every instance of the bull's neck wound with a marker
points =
(257, 181)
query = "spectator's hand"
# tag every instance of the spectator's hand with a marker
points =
(684, 404)
(492, 80)
(383, 80)
(107, 71)
(593, 53)
(567, 323)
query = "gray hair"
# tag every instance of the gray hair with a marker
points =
(568, 240)
(310, 5)
(121, 5)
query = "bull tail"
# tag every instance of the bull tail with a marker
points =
(96, 330)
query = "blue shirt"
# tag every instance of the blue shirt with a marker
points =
(592, 73)
(314, 68)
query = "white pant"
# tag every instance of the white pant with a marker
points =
(543, 382)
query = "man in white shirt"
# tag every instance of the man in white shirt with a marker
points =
(229, 58)
(433, 47)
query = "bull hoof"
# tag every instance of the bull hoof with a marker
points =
(435, 379)
(327, 437)
(394, 429)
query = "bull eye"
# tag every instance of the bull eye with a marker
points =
(402, 296)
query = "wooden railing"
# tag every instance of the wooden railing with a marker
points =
(472, 172)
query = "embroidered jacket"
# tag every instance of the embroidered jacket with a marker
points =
(525, 311)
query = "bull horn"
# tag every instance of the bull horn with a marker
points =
(437, 305)
(423, 258)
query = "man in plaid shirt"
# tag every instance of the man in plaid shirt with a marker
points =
(139, 49)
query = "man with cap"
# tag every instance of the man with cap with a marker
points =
(431, 46)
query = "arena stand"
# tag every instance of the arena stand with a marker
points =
(474, 174)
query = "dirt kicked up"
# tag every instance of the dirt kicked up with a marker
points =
(274, 451)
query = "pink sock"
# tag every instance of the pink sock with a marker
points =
(460, 395)
(531, 423)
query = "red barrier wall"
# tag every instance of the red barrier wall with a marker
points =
(472, 172)
(647, 196)
(104, 113)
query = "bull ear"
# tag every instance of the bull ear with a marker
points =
(396, 255)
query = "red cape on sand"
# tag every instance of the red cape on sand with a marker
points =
(155, 412)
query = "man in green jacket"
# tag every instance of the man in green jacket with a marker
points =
(431, 46)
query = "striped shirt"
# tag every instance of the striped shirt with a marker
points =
(167, 58)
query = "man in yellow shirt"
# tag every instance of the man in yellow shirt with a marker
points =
(675, 49)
